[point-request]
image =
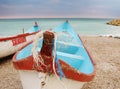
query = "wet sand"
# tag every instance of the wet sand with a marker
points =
(105, 52)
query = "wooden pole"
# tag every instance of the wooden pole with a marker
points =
(23, 30)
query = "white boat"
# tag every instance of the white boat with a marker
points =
(9, 45)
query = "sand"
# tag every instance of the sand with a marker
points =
(105, 52)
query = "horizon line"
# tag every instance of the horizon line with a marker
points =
(58, 17)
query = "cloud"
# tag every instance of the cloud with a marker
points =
(59, 8)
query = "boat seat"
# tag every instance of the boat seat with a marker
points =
(74, 61)
(66, 47)
(69, 44)
(70, 56)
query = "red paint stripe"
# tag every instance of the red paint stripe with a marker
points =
(17, 36)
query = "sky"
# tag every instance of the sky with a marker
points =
(59, 8)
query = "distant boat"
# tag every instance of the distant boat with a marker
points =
(62, 55)
(9, 45)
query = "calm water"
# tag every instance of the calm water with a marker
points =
(82, 26)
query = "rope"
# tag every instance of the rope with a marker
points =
(37, 58)
(54, 56)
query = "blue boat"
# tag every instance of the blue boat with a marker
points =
(62, 52)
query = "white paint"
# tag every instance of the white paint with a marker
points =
(7, 48)
(32, 80)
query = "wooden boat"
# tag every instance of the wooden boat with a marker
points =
(9, 45)
(66, 57)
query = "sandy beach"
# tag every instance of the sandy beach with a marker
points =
(105, 52)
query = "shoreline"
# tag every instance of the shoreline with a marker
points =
(105, 52)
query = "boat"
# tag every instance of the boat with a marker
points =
(9, 45)
(58, 60)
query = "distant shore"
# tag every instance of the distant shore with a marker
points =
(105, 52)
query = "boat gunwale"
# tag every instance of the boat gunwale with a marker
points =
(17, 36)
(91, 58)
(15, 56)
(17, 62)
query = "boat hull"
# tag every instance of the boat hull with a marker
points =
(32, 80)
(10, 45)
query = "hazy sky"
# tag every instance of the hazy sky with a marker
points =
(59, 8)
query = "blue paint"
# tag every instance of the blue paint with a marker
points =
(33, 29)
(27, 51)
(65, 27)
(59, 68)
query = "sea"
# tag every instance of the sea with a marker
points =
(83, 26)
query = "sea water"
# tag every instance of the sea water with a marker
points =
(83, 26)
